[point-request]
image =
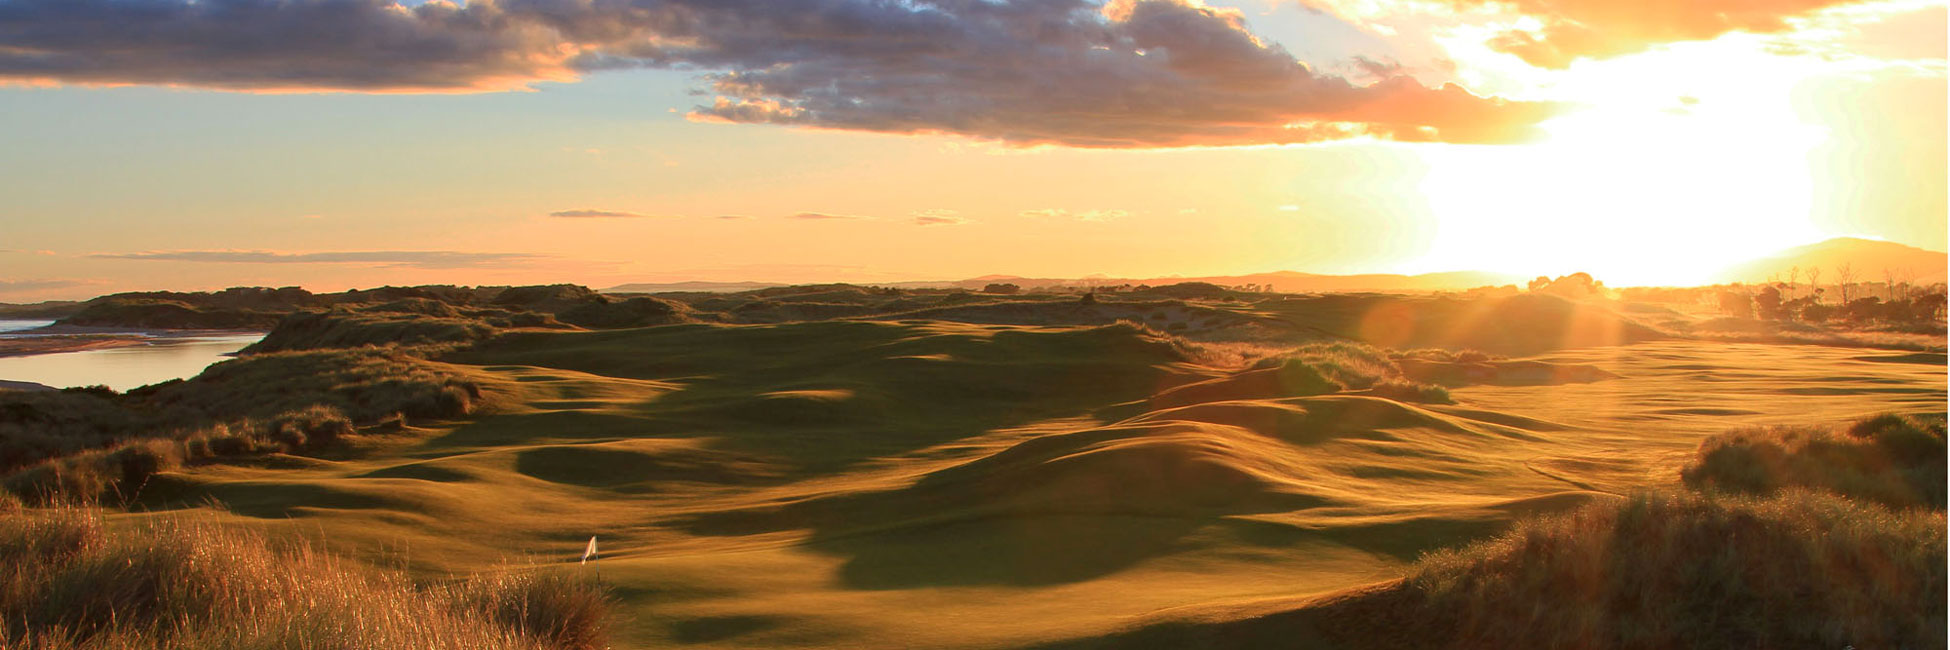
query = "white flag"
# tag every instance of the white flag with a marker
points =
(589, 553)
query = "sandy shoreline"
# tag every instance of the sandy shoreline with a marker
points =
(69, 338)
(20, 347)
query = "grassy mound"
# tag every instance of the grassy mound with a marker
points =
(634, 312)
(168, 315)
(84, 445)
(1313, 369)
(1798, 570)
(1162, 469)
(38, 425)
(320, 330)
(74, 582)
(1892, 460)
(1785, 543)
(366, 385)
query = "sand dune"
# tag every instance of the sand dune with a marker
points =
(941, 484)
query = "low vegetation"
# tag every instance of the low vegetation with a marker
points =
(1892, 460)
(73, 581)
(1345, 366)
(1793, 538)
(89, 444)
(1798, 569)
(321, 330)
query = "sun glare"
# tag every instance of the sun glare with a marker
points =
(1671, 169)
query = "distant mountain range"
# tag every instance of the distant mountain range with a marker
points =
(1282, 281)
(1867, 258)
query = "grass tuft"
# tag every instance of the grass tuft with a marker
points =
(73, 581)
(1800, 569)
(1893, 460)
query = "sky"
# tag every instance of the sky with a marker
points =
(332, 144)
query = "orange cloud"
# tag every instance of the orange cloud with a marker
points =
(596, 214)
(1574, 29)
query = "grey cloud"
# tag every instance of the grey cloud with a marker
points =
(1146, 73)
(823, 216)
(406, 259)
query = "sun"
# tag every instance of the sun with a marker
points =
(1670, 170)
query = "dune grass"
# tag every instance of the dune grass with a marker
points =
(87, 446)
(365, 384)
(1791, 538)
(346, 329)
(38, 425)
(73, 581)
(117, 473)
(1799, 569)
(1318, 368)
(1893, 460)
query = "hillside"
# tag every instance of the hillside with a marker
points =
(1868, 259)
(944, 469)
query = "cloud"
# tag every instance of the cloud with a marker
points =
(1575, 29)
(348, 45)
(1090, 215)
(401, 259)
(821, 216)
(939, 218)
(596, 214)
(739, 217)
(1135, 73)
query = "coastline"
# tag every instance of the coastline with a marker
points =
(24, 385)
(55, 344)
(56, 339)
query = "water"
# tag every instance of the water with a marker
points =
(17, 325)
(161, 360)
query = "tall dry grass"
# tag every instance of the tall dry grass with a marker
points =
(1789, 538)
(1799, 569)
(68, 579)
(1897, 461)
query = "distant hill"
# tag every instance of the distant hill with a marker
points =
(703, 287)
(1282, 281)
(1867, 257)
(1285, 281)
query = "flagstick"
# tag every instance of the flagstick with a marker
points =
(589, 553)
